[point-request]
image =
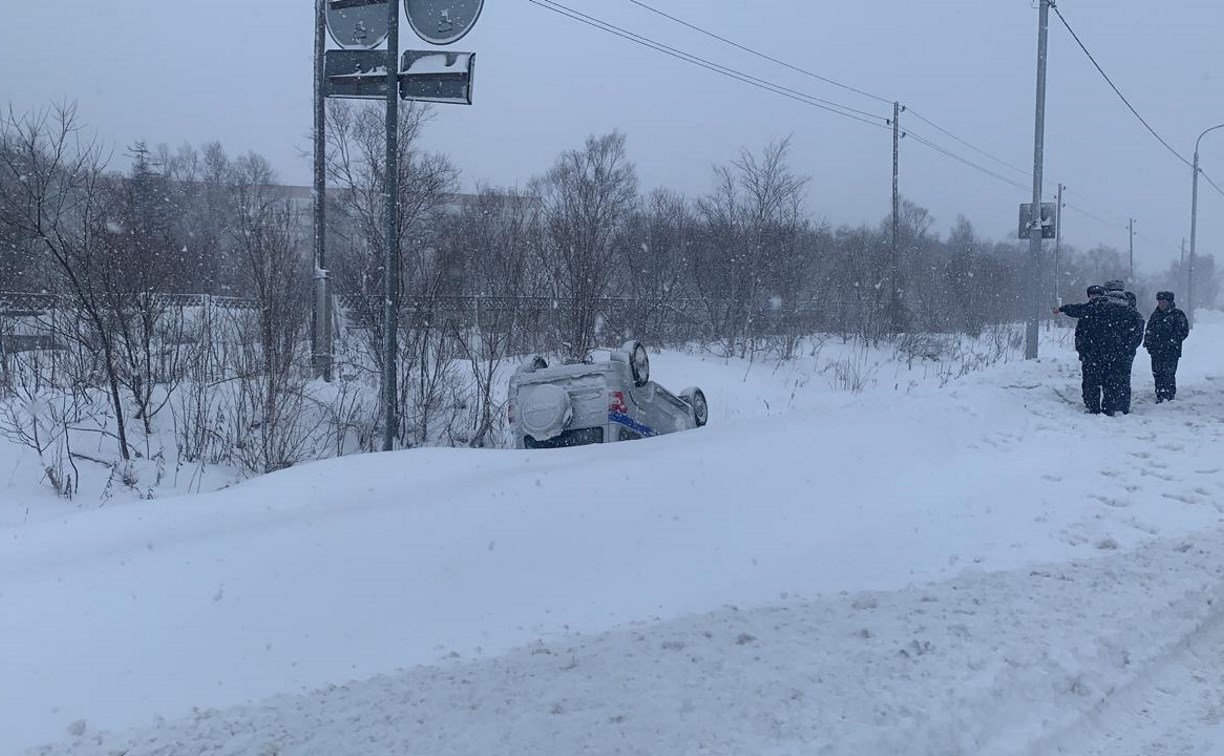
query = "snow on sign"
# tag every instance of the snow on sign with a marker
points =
(437, 76)
(358, 24)
(358, 74)
(441, 22)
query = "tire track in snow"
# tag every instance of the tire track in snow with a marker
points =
(1175, 706)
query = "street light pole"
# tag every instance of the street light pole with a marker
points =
(1194, 221)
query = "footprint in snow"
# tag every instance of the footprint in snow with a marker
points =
(1162, 476)
(1183, 498)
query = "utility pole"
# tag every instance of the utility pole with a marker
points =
(1034, 279)
(1057, 239)
(894, 265)
(391, 253)
(1131, 226)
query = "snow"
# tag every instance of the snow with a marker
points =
(927, 566)
(426, 63)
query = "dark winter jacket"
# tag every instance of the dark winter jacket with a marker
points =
(1121, 328)
(1087, 331)
(1166, 330)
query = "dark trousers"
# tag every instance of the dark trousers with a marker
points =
(1115, 385)
(1164, 371)
(1093, 370)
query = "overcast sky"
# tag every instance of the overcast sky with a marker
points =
(240, 72)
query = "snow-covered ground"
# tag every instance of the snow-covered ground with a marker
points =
(972, 568)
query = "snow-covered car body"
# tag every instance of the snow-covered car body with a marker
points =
(607, 397)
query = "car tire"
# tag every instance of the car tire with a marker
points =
(639, 362)
(532, 363)
(545, 411)
(696, 400)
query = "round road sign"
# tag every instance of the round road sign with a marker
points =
(357, 23)
(441, 22)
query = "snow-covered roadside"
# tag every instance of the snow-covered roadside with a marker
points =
(827, 508)
(987, 663)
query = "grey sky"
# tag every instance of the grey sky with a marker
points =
(174, 71)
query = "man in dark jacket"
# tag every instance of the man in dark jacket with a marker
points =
(1167, 328)
(1087, 341)
(1121, 334)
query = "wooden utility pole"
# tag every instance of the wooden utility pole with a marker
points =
(894, 262)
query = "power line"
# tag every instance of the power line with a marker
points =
(1118, 92)
(941, 129)
(1011, 182)
(1097, 218)
(1159, 242)
(1082, 211)
(1115, 88)
(1209, 181)
(806, 72)
(944, 151)
(832, 107)
(762, 55)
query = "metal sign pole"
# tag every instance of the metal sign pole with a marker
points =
(354, 71)
(391, 256)
(320, 322)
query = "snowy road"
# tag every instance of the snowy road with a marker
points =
(1113, 656)
(1176, 706)
(977, 568)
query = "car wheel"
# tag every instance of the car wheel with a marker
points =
(533, 363)
(697, 402)
(545, 411)
(639, 362)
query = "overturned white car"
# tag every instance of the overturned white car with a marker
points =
(607, 397)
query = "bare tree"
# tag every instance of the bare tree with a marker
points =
(916, 269)
(585, 199)
(653, 258)
(266, 236)
(964, 304)
(143, 265)
(356, 141)
(492, 238)
(52, 192)
(753, 257)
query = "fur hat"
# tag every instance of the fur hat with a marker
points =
(1096, 290)
(1116, 284)
(1165, 296)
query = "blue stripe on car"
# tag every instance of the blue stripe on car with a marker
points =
(633, 425)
